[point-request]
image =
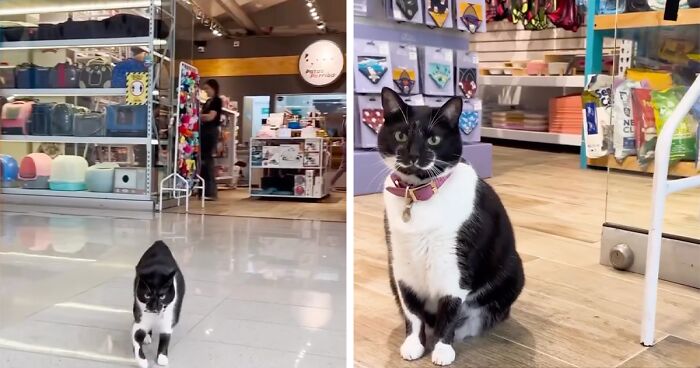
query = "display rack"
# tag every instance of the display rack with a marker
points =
(142, 194)
(310, 173)
(228, 160)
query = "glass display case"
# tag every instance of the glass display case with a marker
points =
(86, 90)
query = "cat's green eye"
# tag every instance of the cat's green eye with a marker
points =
(162, 297)
(400, 137)
(147, 295)
(434, 140)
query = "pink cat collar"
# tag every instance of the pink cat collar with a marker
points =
(420, 193)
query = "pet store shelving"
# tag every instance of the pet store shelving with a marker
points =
(528, 136)
(230, 157)
(645, 19)
(143, 197)
(313, 187)
(564, 81)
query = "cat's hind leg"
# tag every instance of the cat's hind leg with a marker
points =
(411, 305)
(139, 336)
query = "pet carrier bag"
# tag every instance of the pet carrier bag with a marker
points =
(8, 170)
(127, 120)
(35, 171)
(48, 32)
(7, 75)
(97, 73)
(68, 173)
(122, 68)
(89, 124)
(15, 116)
(17, 31)
(40, 123)
(64, 75)
(71, 29)
(62, 119)
(100, 177)
(29, 76)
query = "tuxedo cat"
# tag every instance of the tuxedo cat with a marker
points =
(159, 289)
(452, 260)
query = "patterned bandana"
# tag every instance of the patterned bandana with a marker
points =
(440, 74)
(408, 8)
(373, 118)
(405, 80)
(439, 10)
(372, 67)
(468, 121)
(467, 82)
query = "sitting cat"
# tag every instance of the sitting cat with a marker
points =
(159, 289)
(452, 259)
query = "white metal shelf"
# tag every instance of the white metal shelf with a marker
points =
(529, 136)
(76, 194)
(574, 81)
(60, 92)
(79, 43)
(286, 196)
(71, 139)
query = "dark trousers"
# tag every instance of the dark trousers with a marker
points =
(209, 141)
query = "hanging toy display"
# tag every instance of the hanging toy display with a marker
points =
(188, 128)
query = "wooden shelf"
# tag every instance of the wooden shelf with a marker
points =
(575, 81)
(680, 169)
(646, 19)
(529, 136)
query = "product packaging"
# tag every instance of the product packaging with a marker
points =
(438, 71)
(471, 15)
(470, 120)
(271, 156)
(372, 66)
(644, 125)
(623, 120)
(597, 111)
(683, 144)
(290, 155)
(318, 186)
(300, 185)
(439, 13)
(406, 10)
(466, 77)
(368, 107)
(404, 69)
(309, 181)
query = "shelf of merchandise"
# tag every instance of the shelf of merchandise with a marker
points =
(64, 92)
(565, 81)
(232, 156)
(645, 19)
(288, 167)
(79, 43)
(253, 194)
(529, 136)
(76, 194)
(75, 6)
(77, 140)
(680, 169)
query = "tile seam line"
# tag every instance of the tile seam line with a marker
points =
(535, 350)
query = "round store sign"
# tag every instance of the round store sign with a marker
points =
(321, 63)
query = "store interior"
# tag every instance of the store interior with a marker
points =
(564, 104)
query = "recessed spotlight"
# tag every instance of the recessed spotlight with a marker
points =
(312, 9)
(321, 25)
(316, 17)
(309, 4)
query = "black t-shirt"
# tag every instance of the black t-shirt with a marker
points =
(212, 104)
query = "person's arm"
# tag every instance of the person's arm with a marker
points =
(214, 110)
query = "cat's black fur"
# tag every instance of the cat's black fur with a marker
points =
(159, 286)
(485, 247)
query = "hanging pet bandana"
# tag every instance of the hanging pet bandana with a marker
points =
(404, 79)
(440, 74)
(467, 81)
(468, 121)
(439, 11)
(373, 118)
(471, 14)
(408, 8)
(372, 67)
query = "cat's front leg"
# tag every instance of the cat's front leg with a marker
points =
(163, 345)
(446, 321)
(414, 345)
(139, 334)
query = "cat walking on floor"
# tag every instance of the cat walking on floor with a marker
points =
(453, 265)
(159, 289)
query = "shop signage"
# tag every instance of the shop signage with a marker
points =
(321, 63)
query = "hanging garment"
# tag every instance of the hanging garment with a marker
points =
(497, 10)
(372, 67)
(440, 74)
(467, 82)
(405, 80)
(373, 118)
(439, 11)
(408, 8)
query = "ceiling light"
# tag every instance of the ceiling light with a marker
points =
(309, 4)
(316, 17)
(312, 10)
(320, 25)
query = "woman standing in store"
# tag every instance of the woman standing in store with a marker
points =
(209, 135)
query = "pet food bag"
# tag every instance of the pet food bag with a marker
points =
(404, 69)
(597, 111)
(644, 125)
(372, 66)
(623, 120)
(438, 71)
(683, 144)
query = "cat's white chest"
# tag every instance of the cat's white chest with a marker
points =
(424, 248)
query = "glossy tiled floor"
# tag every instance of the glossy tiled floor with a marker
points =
(260, 292)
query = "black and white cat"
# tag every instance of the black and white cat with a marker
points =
(159, 289)
(452, 259)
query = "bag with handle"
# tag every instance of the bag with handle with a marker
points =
(12, 31)
(64, 75)
(48, 32)
(122, 68)
(14, 119)
(62, 119)
(97, 73)
(32, 76)
(40, 123)
(7, 75)
(89, 124)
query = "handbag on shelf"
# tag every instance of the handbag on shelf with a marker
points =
(122, 68)
(64, 75)
(48, 31)
(89, 124)
(62, 119)
(30, 76)
(14, 118)
(7, 76)
(11, 31)
(40, 123)
(97, 73)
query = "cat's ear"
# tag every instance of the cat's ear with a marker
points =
(451, 111)
(392, 103)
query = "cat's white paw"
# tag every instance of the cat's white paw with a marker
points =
(142, 363)
(162, 359)
(412, 349)
(147, 340)
(443, 354)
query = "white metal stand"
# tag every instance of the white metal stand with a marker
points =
(180, 185)
(661, 188)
